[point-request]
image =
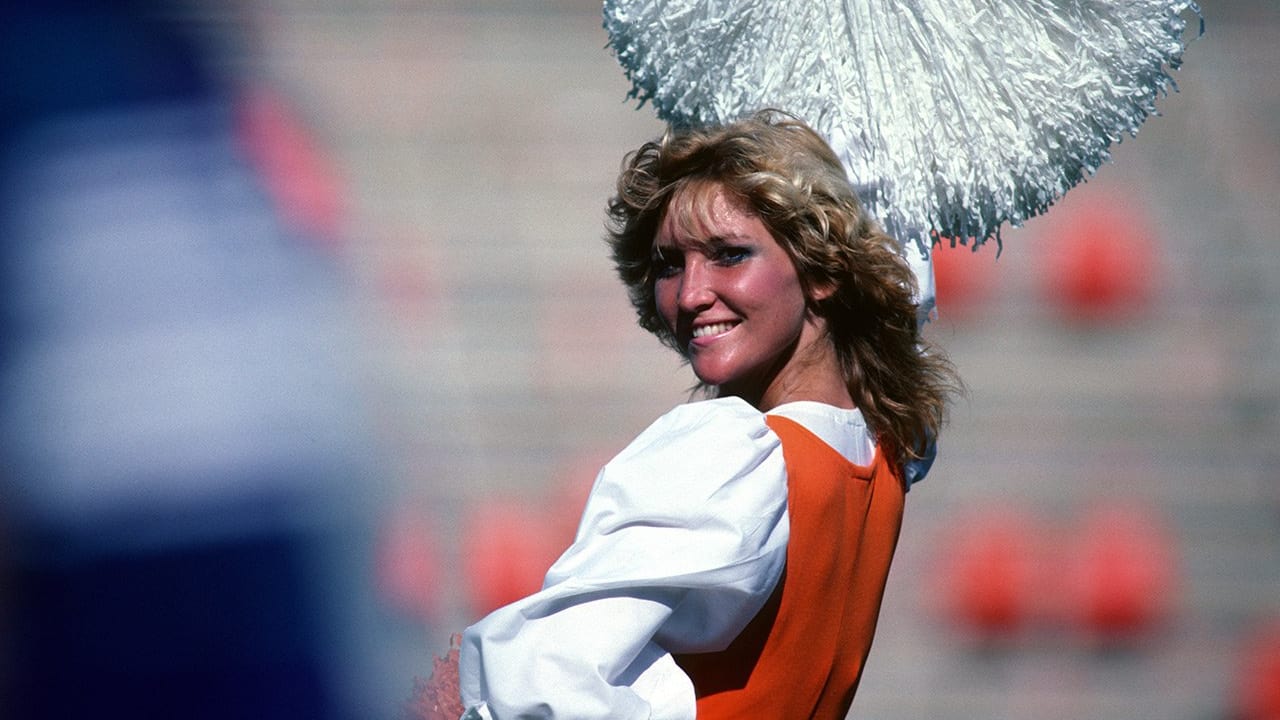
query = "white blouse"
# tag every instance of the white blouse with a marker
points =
(682, 541)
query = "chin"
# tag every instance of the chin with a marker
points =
(711, 376)
(727, 383)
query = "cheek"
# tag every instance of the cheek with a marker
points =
(780, 291)
(664, 300)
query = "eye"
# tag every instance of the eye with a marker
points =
(666, 265)
(729, 255)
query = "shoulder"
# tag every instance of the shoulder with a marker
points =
(703, 457)
(730, 423)
(700, 490)
(695, 450)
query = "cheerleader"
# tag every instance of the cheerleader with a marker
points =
(732, 559)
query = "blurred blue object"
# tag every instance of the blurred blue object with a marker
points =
(67, 57)
(179, 435)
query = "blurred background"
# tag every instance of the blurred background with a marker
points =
(310, 350)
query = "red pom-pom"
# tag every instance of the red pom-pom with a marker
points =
(439, 697)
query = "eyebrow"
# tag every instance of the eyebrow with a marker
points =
(713, 241)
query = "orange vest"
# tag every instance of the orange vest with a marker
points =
(803, 653)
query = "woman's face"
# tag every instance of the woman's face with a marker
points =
(731, 297)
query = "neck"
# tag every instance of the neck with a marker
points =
(827, 387)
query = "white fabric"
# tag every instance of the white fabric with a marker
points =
(683, 539)
(844, 430)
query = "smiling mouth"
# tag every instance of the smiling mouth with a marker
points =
(713, 329)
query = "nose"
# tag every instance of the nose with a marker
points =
(696, 291)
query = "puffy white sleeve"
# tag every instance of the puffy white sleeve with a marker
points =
(683, 539)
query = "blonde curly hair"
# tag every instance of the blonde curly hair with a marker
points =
(788, 175)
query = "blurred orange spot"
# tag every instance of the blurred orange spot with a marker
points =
(962, 277)
(1257, 685)
(1102, 265)
(569, 498)
(1121, 573)
(990, 572)
(408, 565)
(508, 548)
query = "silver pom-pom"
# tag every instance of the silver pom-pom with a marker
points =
(952, 117)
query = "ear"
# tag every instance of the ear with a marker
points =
(819, 292)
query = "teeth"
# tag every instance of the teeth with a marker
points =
(715, 329)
